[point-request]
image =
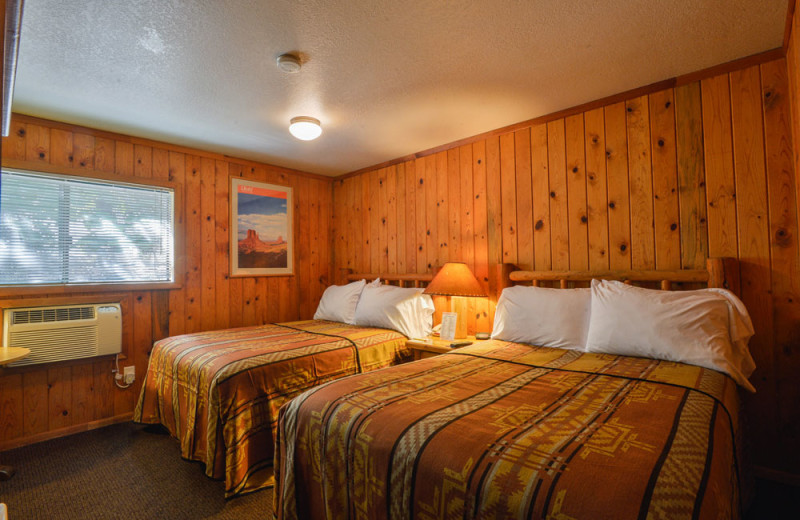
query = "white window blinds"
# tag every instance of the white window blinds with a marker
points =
(70, 230)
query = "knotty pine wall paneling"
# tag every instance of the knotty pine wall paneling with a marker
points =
(661, 180)
(782, 155)
(41, 402)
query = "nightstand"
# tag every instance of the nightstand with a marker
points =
(422, 349)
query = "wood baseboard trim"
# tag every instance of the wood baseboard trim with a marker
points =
(63, 432)
(791, 479)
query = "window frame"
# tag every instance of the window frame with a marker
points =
(86, 173)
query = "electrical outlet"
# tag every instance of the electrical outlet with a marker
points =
(130, 374)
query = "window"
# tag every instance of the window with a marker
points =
(69, 230)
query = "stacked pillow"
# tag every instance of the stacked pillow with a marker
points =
(708, 327)
(540, 316)
(405, 310)
(338, 302)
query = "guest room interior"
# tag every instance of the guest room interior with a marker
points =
(152, 192)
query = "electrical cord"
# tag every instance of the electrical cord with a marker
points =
(118, 376)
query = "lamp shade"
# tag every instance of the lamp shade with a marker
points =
(455, 279)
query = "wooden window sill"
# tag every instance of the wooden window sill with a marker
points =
(25, 290)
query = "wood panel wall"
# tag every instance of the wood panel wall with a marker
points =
(793, 66)
(790, 347)
(659, 181)
(55, 399)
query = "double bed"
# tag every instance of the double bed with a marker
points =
(503, 429)
(219, 392)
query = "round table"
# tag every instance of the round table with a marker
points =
(11, 354)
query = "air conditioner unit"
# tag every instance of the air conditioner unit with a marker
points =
(63, 332)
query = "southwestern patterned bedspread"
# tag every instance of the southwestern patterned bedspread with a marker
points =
(503, 430)
(219, 392)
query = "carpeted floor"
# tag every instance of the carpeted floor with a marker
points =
(118, 472)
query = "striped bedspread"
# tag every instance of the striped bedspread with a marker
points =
(503, 430)
(219, 392)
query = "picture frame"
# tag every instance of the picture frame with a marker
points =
(261, 229)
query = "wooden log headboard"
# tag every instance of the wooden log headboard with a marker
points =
(401, 280)
(719, 272)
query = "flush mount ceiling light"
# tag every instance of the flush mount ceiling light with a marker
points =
(289, 63)
(305, 128)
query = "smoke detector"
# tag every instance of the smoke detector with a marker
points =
(289, 63)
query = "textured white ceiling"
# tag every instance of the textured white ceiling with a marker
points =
(386, 77)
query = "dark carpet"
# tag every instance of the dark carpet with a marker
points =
(773, 501)
(118, 472)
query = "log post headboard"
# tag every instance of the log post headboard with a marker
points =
(719, 272)
(724, 273)
(400, 280)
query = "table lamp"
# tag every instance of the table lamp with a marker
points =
(455, 279)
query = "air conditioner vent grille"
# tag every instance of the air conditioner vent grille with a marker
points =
(52, 315)
(56, 345)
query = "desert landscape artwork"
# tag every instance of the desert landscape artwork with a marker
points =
(261, 230)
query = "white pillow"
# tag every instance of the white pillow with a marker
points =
(691, 327)
(544, 317)
(405, 310)
(338, 302)
(740, 328)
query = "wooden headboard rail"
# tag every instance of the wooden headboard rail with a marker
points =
(401, 280)
(719, 272)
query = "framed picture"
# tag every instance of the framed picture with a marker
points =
(262, 238)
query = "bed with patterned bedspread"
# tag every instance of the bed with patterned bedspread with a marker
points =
(219, 392)
(505, 430)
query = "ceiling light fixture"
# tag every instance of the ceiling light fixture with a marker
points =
(289, 63)
(305, 128)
